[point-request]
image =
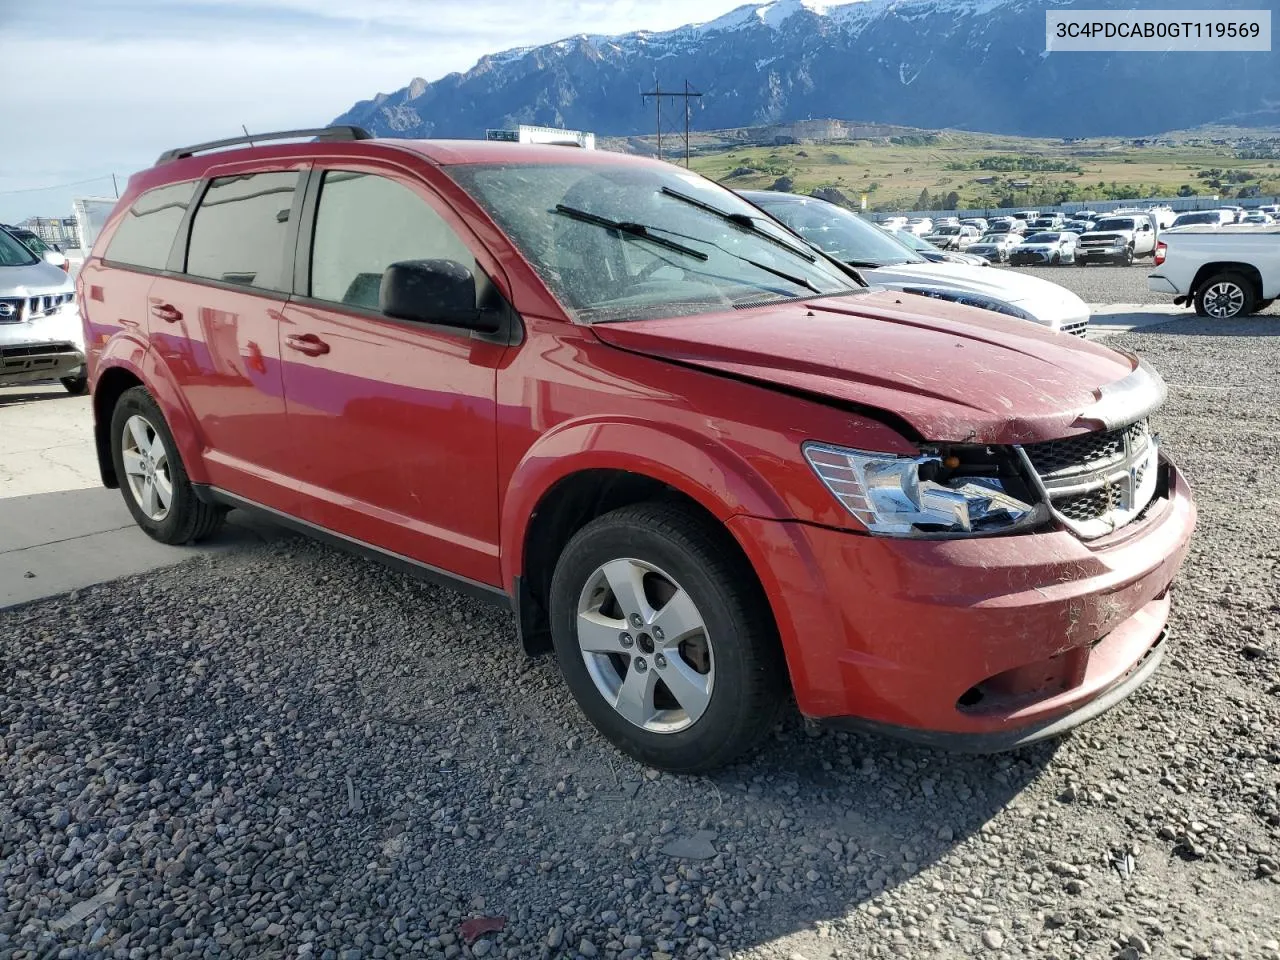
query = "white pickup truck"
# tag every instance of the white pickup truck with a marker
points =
(1227, 272)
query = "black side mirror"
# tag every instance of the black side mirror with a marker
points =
(434, 291)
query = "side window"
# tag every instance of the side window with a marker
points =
(145, 235)
(239, 231)
(365, 223)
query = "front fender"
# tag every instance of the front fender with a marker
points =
(711, 474)
(130, 355)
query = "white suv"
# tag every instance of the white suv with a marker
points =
(41, 337)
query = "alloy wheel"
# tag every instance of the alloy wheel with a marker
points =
(645, 645)
(146, 467)
(1223, 300)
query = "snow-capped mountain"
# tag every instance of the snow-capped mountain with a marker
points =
(970, 64)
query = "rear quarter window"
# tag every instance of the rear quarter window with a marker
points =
(145, 235)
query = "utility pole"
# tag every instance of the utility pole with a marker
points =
(686, 95)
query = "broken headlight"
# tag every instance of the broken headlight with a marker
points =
(962, 490)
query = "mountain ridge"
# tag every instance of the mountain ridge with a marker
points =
(966, 64)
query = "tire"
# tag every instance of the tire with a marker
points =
(1263, 305)
(136, 426)
(1057, 260)
(1128, 257)
(1081, 261)
(733, 678)
(1225, 296)
(77, 386)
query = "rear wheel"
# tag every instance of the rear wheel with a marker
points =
(152, 478)
(665, 638)
(1225, 296)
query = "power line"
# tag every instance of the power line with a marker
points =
(57, 186)
(686, 95)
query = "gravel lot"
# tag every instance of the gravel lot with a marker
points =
(290, 752)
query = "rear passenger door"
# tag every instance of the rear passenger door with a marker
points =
(216, 328)
(394, 422)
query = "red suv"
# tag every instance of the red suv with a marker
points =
(703, 462)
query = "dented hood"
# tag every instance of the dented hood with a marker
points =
(953, 373)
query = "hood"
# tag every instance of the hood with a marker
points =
(33, 279)
(1046, 301)
(953, 373)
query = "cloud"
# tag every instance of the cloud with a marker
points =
(141, 77)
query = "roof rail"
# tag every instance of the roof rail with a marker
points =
(319, 133)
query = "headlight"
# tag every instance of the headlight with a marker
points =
(955, 491)
(979, 300)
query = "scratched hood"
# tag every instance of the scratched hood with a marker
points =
(953, 373)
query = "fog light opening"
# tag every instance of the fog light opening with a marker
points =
(971, 697)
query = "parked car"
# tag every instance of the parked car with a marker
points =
(1237, 212)
(996, 247)
(879, 258)
(952, 237)
(1045, 249)
(978, 223)
(1225, 272)
(1026, 216)
(946, 222)
(1041, 224)
(920, 226)
(1079, 226)
(46, 251)
(699, 459)
(1118, 239)
(894, 223)
(1210, 218)
(41, 337)
(927, 250)
(1257, 217)
(1087, 215)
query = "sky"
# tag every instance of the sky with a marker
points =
(95, 87)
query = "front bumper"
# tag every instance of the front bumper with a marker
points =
(28, 363)
(981, 644)
(1100, 253)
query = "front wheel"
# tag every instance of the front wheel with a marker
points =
(76, 386)
(665, 638)
(1128, 257)
(152, 477)
(1225, 297)
(1081, 261)
(1057, 260)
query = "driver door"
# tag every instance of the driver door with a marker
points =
(394, 422)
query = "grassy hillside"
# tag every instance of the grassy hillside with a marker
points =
(895, 173)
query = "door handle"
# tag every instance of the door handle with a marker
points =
(307, 343)
(166, 312)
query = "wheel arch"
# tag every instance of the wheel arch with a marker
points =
(1210, 270)
(575, 475)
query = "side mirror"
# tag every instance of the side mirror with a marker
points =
(434, 291)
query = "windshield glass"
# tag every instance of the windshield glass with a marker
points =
(994, 238)
(13, 253)
(1114, 223)
(32, 242)
(1186, 218)
(838, 232)
(1042, 238)
(614, 242)
(909, 239)
(947, 231)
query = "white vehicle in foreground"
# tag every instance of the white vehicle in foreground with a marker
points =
(41, 337)
(882, 259)
(1226, 272)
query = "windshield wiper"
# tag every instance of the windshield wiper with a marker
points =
(637, 230)
(741, 220)
(782, 274)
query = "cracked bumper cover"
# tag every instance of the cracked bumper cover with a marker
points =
(973, 644)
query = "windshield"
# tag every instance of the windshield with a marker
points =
(13, 253)
(1114, 223)
(838, 232)
(909, 239)
(631, 242)
(947, 231)
(31, 242)
(1186, 218)
(994, 238)
(1042, 238)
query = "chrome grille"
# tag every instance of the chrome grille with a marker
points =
(1097, 482)
(21, 309)
(1079, 328)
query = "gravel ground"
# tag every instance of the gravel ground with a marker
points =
(1106, 284)
(291, 752)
